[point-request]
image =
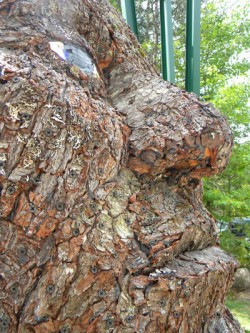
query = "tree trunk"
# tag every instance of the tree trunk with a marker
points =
(102, 223)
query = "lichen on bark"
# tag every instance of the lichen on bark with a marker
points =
(102, 223)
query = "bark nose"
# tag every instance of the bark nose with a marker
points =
(170, 129)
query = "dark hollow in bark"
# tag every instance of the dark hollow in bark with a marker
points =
(102, 223)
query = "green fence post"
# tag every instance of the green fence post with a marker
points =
(129, 14)
(167, 49)
(192, 82)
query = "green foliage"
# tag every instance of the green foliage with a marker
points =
(232, 100)
(148, 18)
(225, 83)
(224, 36)
(240, 309)
(228, 194)
(149, 48)
(238, 246)
(115, 3)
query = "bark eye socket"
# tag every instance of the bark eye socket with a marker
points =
(22, 255)
(109, 323)
(100, 171)
(162, 303)
(129, 318)
(94, 269)
(76, 232)
(11, 190)
(60, 206)
(32, 208)
(4, 324)
(22, 251)
(101, 293)
(176, 314)
(128, 221)
(15, 79)
(40, 47)
(48, 132)
(73, 173)
(50, 288)
(59, 109)
(101, 225)
(25, 116)
(36, 180)
(14, 289)
(116, 194)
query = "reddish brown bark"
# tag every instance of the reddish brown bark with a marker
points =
(102, 223)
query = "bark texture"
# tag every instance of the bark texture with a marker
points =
(102, 223)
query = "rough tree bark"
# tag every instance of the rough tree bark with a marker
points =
(102, 223)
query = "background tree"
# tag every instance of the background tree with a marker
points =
(225, 82)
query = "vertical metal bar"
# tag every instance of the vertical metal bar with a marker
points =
(129, 14)
(167, 48)
(192, 82)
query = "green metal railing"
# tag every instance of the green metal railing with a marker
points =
(167, 47)
(192, 80)
(129, 13)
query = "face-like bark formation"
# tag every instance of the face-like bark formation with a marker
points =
(102, 223)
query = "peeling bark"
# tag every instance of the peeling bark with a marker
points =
(102, 223)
